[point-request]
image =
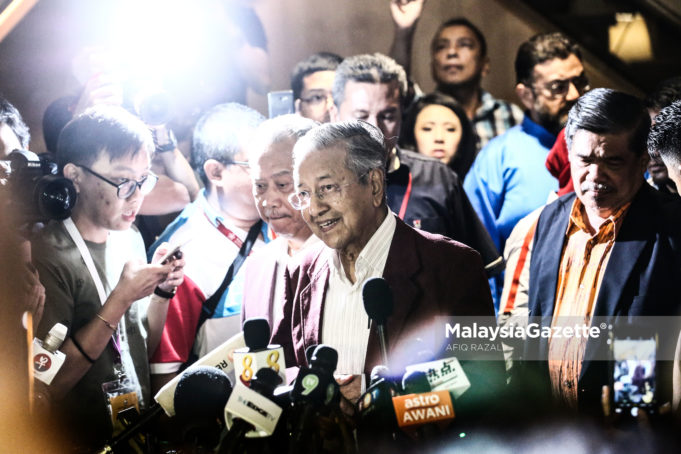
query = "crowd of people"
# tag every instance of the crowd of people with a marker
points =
(563, 208)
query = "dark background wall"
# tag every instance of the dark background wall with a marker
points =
(35, 58)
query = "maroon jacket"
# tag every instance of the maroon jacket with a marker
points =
(429, 275)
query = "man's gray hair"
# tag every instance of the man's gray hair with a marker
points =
(219, 134)
(363, 142)
(289, 127)
(374, 69)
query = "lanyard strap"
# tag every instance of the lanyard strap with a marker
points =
(405, 200)
(87, 258)
(96, 278)
(231, 236)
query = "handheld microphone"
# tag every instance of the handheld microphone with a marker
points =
(444, 375)
(313, 389)
(220, 358)
(378, 304)
(250, 412)
(376, 425)
(200, 397)
(420, 407)
(258, 353)
(197, 395)
(47, 359)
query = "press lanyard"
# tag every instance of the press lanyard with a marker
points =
(228, 233)
(90, 264)
(405, 200)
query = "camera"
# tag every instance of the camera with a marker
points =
(35, 191)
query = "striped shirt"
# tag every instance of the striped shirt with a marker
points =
(345, 323)
(582, 266)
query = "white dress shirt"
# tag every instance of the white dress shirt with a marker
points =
(345, 323)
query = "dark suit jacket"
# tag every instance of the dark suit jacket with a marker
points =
(642, 278)
(429, 275)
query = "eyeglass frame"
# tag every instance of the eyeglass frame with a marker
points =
(570, 81)
(323, 98)
(138, 184)
(294, 195)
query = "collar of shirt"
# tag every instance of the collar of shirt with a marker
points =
(539, 132)
(606, 232)
(371, 261)
(213, 216)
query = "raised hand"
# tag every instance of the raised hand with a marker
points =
(406, 13)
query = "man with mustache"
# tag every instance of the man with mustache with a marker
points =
(508, 179)
(270, 156)
(611, 249)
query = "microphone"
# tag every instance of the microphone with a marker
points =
(47, 359)
(257, 353)
(378, 304)
(376, 414)
(198, 392)
(200, 397)
(313, 389)
(250, 412)
(220, 358)
(444, 375)
(420, 407)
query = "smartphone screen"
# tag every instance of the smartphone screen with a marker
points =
(633, 374)
(280, 103)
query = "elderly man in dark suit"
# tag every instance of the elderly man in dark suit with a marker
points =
(339, 173)
(619, 253)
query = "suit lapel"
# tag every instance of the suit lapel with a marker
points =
(546, 258)
(312, 299)
(629, 243)
(401, 266)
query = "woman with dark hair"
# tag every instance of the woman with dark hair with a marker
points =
(437, 126)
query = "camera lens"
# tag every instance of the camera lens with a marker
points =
(55, 197)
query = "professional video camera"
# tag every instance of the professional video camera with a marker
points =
(34, 190)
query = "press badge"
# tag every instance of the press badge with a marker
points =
(120, 395)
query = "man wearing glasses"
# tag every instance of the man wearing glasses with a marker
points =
(509, 178)
(312, 82)
(339, 175)
(96, 277)
(218, 231)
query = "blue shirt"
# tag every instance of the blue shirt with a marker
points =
(509, 180)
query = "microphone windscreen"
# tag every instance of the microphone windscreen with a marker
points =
(378, 299)
(256, 333)
(415, 382)
(265, 381)
(325, 358)
(202, 393)
(379, 372)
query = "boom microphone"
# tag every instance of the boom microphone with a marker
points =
(378, 304)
